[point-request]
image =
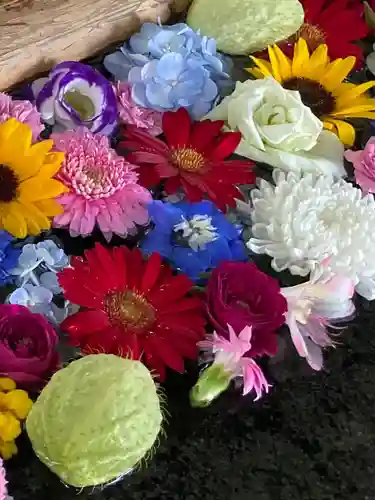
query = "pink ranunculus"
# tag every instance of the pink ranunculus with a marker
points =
(23, 111)
(27, 346)
(132, 114)
(364, 166)
(241, 295)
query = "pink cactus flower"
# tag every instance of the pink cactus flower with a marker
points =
(103, 186)
(231, 354)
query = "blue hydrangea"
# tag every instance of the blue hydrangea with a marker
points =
(8, 257)
(201, 68)
(193, 237)
(173, 82)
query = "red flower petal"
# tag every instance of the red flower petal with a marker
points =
(203, 135)
(151, 273)
(134, 268)
(183, 305)
(178, 287)
(172, 184)
(119, 255)
(166, 352)
(127, 344)
(75, 289)
(140, 139)
(100, 342)
(227, 144)
(85, 323)
(176, 127)
(312, 10)
(155, 365)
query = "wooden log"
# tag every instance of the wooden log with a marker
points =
(37, 34)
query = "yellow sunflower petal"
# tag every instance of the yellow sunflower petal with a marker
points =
(7, 450)
(16, 144)
(255, 73)
(52, 164)
(35, 189)
(319, 60)
(301, 58)
(337, 72)
(353, 93)
(370, 115)
(276, 68)
(343, 130)
(285, 64)
(263, 66)
(28, 165)
(50, 207)
(7, 128)
(353, 110)
(14, 222)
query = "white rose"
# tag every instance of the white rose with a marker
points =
(278, 129)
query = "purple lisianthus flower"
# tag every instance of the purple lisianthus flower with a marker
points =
(173, 82)
(76, 95)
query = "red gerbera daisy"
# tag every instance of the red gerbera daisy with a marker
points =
(192, 159)
(132, 308)
(337, 23)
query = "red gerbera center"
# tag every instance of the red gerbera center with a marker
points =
(313, 35)
(130, 309)
(187, 159)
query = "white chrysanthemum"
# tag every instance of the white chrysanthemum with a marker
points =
(304, 220)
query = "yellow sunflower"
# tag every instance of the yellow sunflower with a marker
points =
(321, 85)
(26, 185)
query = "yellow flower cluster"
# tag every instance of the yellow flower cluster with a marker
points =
(15, 405)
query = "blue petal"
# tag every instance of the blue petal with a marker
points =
(165, 215)
(238, 250)
(117, 65)
(199, 109)
(157, 242)
(170, 66)
(188, 261)
(139, 95)
(158, 95)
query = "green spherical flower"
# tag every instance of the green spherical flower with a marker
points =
(96, 419)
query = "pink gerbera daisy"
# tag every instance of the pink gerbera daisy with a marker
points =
(22, 111)
(103, 186)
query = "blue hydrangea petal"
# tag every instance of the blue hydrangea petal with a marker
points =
(170, 66)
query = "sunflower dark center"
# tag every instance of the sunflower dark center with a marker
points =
(315, 96)
(130, 310)
(8, 184)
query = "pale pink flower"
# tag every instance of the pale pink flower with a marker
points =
(364, 166)
(23, 111)
(103, 186)
(132, 114)
(314, 306)
(231, 354)
(3, 482)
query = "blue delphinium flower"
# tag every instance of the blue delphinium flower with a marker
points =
(193, 237)
(8, 257)
(200, 73)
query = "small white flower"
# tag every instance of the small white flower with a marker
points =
(305, 219)
(198, 231)
(278, 129)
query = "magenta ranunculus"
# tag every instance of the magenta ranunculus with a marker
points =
(364, 166)
(240, 295)
(27, 346)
